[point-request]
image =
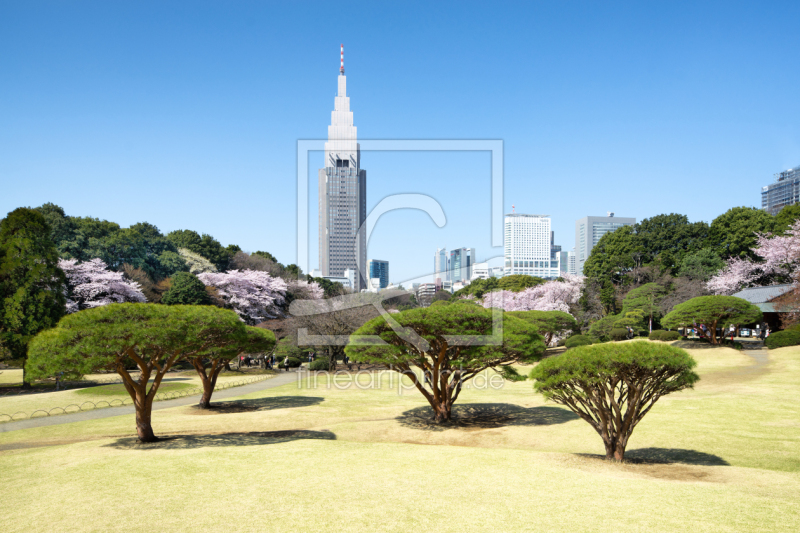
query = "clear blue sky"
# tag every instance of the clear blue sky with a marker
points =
(187, 114)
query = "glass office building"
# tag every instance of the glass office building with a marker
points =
(589, 231)
(379, 270)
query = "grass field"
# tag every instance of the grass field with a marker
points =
(173, 382)
(336, 457)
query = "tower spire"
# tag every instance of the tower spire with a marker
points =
(341, 68)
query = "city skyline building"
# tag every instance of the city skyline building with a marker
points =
(343, 194)
(784, 191)
(460, 263)
(588, 232)
(379, 269)
(440, 265)
(528, 246)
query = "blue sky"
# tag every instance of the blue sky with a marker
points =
(187, 114)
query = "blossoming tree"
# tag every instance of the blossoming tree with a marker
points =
(780, 255)
(92, 284)
(551, 296)
(254, 295)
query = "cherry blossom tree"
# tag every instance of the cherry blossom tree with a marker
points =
(92, 284)
(254, 295)
(779, 255)
(551, 296)
(304, 290)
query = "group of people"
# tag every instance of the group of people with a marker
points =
(762, 331)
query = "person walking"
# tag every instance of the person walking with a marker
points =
(286, 363)
(732, 331)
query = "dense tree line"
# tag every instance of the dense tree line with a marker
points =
(673, 258)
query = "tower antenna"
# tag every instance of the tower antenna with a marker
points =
(341, 68)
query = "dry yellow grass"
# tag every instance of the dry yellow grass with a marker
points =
(325, 459)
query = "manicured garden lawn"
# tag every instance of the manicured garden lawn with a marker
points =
(722, 457)
(46, 401)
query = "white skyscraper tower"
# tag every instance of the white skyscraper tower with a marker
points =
(342, 194)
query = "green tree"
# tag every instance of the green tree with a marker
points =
(786, 217)
(32, 287)
(479, 287)
(601, 328)
(428, 339)
(733, 233)
(294, 271)
(113, 337)
(204, 245)
(549, 324)
(230, 338)
(670, 235)
(712, 311)
(62, 227)
(266, 255)
(615, 255)
(701, 265)
(186, 289)
(612, 387)
(645, 299)
(518, 282)
(330, 288)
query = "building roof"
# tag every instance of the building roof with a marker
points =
(763, 296)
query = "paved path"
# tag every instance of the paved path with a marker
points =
(283, 378)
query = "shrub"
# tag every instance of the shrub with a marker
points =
(323, 363)
(783, 338)
(670, 336)
(292, 362)
(578, 340)
(618, 334)
(656, 335)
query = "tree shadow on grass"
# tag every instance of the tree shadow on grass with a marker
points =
(674, 455)
(183, 442)
(259, 404)
(487, 416)
(666, 456)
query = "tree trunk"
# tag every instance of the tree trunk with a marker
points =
(209, 381)
(143, 428)
(25, 383)
(713, 332)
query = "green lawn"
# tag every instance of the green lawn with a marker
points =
(722, 457)
(118, 389)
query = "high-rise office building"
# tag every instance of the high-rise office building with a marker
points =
(440, 265)
(785, 191)
(343, 195)
(588, 232)
(460, 264)
(528, 247)
(380, 270)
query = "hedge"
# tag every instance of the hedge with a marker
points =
(578, 340)
(319, 364)
(661, 335)
(783, 338)
(292, 362)
(618, 334)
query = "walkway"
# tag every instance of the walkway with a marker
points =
(284, 378)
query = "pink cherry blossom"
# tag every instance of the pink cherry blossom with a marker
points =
(549, 296)
(253, 294)
(92, 284)
(780, 255)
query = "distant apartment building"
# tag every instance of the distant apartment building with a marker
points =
(528, 246)
(785, 191)
(480, 271)
(424, 293)
(588, 232)
(379, 269)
